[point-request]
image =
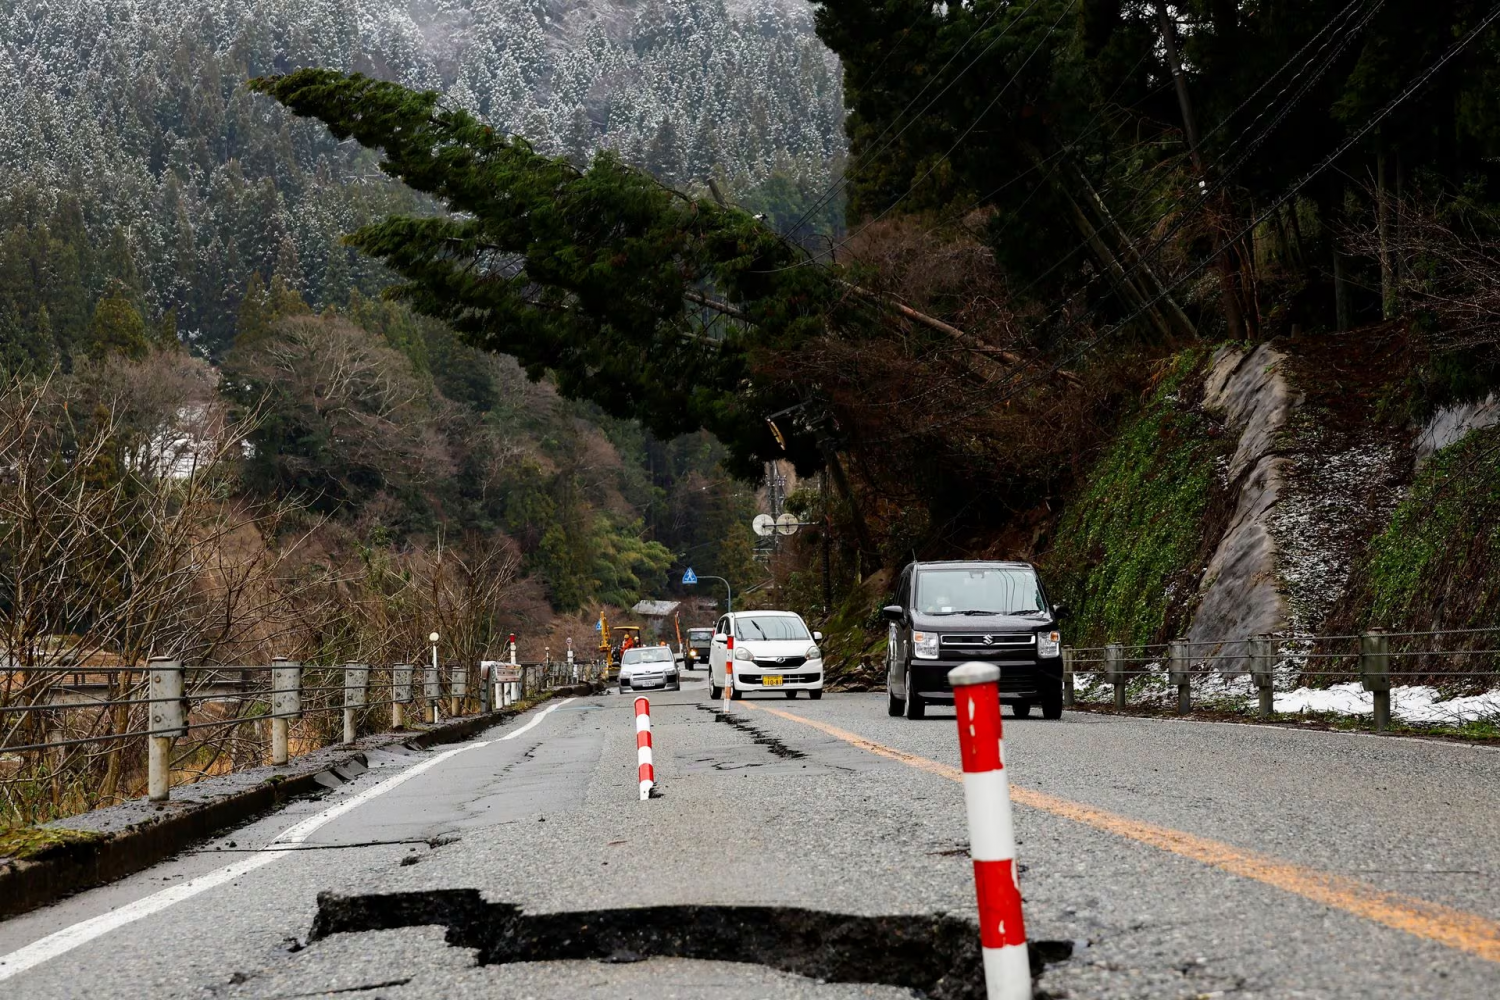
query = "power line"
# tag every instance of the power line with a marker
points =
(842, 180)
(1414, 87)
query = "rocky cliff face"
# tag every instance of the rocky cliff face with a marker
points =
(1240, 594)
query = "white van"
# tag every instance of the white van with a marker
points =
(772, 651)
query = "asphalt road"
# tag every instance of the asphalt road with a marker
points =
(1183, 860)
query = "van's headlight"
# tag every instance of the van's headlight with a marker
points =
(743, 654)
(925, 645)
(814, 653)
(1048, 644)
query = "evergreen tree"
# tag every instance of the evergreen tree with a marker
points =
(117, 328)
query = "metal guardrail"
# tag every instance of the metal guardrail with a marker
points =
(166, 701)
(1311, 661)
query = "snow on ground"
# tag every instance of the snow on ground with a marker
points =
(1414, 703)
(1417, 704)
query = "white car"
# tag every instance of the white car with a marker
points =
(647, 668)
(772, 651)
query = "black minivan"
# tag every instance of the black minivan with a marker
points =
(948, 613)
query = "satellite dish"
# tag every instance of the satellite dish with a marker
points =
(764, 524)
(787, 524)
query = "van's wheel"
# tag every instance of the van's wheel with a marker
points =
(791, 696)
(894, 707)
(1020, 709)
(916, 708)
(714, 691)
(1052, 703)
(735, 694)
(816, 695)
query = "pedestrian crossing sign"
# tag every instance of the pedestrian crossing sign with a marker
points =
(689, 576)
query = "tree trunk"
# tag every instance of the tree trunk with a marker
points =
(1340, 289)
(1227, 264)
(1383, 219)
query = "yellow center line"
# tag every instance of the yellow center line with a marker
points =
(1445, 925)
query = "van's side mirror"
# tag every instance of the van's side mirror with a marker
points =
(1059, 612)
(893, 613)
(817, 637)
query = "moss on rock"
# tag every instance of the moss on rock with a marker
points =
(26, 843)
(1435, 564)
(1128, 542)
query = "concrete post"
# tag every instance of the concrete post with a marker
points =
(1262, 661)
(1375, 672)
(1067, 676)
(486, 689)
(1114, 671)
(433, 691)
(356, 677)
(286, 705)
(168, 721)
(1179, 671)
(458, 688)
(400, 694)
(159, 769)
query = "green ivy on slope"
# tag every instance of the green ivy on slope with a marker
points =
(1435, 563)
(1125, 548)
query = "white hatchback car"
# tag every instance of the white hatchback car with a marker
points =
(647, 668)
(771, 650)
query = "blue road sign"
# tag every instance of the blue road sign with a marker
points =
(689, 576)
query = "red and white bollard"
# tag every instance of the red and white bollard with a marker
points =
(992, 840)
(728, 671)
(643, 747)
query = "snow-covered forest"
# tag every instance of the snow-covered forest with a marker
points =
(132, 155)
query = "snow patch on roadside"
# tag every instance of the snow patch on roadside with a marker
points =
(1326, 510)
(1452, 424)
(1417, 703)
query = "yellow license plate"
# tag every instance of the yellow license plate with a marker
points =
(770, 680)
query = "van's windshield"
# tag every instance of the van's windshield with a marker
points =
(994, 590)
(646, 654)
(700, 634)
(770, 627)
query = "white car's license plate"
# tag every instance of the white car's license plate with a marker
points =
(770, 680)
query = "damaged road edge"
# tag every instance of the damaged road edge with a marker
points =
(66, 870)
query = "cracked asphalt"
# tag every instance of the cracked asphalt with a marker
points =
(769, 810)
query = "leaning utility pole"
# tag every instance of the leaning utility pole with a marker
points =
(1229, 271)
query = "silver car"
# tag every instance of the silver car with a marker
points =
(646, 668)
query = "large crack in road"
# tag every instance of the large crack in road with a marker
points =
(935, 954)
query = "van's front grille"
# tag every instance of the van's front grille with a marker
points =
(991, 640)
(785, 663)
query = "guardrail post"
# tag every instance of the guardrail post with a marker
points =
(1375, 672)
(434, 693)
(458, 687)
(168, 721)
(1067, 676)
(1114, 671)
(486, 690)
(356, 677)
(286, 705)
(1179, 673)
(1262, 661)
(572, 667)
(400, 694)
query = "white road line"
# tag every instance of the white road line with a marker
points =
(68, 938)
